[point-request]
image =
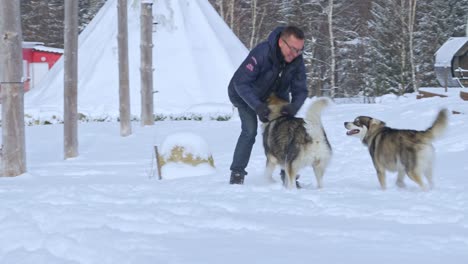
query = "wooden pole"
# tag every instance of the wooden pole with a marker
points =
(71, 79)
(446, 78)
(124, 87)
(146, 20)
(12, 94)
(158, 162)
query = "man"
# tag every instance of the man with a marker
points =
(273, 66)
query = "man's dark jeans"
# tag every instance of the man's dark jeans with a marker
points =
(246, 139)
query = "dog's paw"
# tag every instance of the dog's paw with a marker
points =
(401, 184)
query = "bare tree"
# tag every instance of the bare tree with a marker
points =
(11, 75)
(404, 48)
(254, 10)
(226, 11)
(146, 63)
(231, 7)
(220, 4)
(332, 49)
(411, 22)
(258, 12)
(71, 80)
(124, 89)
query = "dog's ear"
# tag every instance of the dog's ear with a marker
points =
(361, 121)
(375, 123)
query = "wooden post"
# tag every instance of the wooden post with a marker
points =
(11, 82)
(124, 89)
(70, 101)
(446, 79)
(146, 47)
(158, 162)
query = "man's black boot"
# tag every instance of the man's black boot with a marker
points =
(283, 176)
(237, 177)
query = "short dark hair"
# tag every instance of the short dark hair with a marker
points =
(292, 30)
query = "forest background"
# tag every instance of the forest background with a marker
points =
(353, 48)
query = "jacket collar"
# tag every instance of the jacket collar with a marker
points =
(275, 52)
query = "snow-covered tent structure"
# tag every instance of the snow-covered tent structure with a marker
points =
(451, 62)
(194, 56)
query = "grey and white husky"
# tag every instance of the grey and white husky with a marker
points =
(294, 143)
(402, 150)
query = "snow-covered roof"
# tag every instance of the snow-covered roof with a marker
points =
(31, 44)
(48, 49)
(445, 53)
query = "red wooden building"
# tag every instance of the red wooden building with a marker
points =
(37, 61)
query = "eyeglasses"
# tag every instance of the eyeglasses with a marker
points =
(297, 51)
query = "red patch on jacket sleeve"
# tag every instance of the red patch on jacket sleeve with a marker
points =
(250, 67)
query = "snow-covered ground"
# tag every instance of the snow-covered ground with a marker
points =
(107, 205)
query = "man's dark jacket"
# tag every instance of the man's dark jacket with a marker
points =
(259, 75)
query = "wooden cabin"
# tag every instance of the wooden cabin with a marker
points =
(37, 61)
(451, 63)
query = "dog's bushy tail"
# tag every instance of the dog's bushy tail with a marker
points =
(314, 112)
(439, 125)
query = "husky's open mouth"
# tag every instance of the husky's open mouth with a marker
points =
(352, 132)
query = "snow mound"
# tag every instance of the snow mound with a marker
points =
(186, 153)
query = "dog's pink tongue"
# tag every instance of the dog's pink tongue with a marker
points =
(352, 132)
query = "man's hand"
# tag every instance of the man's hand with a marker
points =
(263, 111)
(289, 110)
